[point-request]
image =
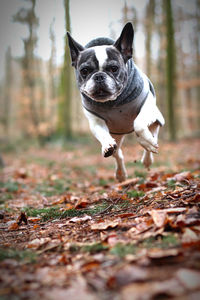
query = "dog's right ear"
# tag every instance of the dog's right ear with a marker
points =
(75, 48)
(125, 41)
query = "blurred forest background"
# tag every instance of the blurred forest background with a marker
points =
(39, 99)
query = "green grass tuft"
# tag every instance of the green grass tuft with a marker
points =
(135, 194)
(102, 182)
(56, 187)
(140, 174)
(135, 164)
(122, 250)
(45, 213)
(164, 242)
(94, 248)
(88, 211)
(56, 213)
(26, 256)
(171, 183)
(10, 186)
(91, 248)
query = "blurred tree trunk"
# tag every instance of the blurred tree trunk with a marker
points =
(197, 47)
(52, 72)
(161, 90)
(28, 17)
(65, 107)
(52, 63)
(7, 93)
(149, 22)
(181, 71)
(170, 69)
(1, 162)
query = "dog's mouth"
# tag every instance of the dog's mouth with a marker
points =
(101, 93)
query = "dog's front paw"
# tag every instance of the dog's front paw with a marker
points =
(109, 150)
(150, 146)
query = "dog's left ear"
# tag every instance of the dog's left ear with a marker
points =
(125, 41)
(75, 49)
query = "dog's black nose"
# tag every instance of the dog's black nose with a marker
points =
(99, 77)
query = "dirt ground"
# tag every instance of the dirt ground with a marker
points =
(68, 230)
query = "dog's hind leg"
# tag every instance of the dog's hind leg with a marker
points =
(120, 173)
(147, 157)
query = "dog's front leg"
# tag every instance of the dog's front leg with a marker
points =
(101, 132)
(148, 115)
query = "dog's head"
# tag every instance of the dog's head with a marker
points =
(101, 70)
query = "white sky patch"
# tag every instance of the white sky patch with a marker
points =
(139, 42)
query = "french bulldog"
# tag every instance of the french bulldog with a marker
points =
(117, 97)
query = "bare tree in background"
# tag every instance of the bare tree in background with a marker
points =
(170, 69)
(160, 64)
(28, 17)
(149, 23)
(197, 47)
(7, 101)
(65, 105)
(52, 63)
(51, 73)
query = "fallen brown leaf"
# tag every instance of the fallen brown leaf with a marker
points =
(64, 199)
(37, 243)
(105, 224)
(89, 266)
(183, 176)
(159, 253)
(190, 279)
(13, 226)
(36, 226)
(173, 210)
(81, 203)
(149, 290)
(126, 275)
(80, 219)
(34, 219)
(128, 182)
(159, 217)
(189, 236)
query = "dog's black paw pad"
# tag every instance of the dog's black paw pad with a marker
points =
(109, 151)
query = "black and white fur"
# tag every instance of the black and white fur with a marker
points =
(101, 72)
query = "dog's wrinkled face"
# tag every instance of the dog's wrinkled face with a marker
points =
(101, 73)
(101, 70)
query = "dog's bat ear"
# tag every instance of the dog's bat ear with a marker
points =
(125, 41)
(75, 48)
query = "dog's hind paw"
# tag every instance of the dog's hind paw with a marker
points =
(121, 175)
(147, 159)
(110, 150)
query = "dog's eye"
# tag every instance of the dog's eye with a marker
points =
(114, 69)
(85, 72)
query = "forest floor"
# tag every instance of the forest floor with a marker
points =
(68, 230)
